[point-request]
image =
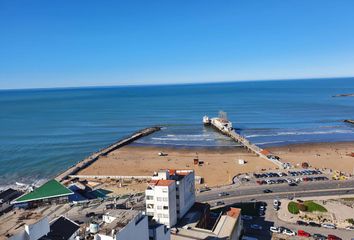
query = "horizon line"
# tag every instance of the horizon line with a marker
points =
(167, 84)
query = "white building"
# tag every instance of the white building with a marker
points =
(33, 229)
(121, 224)
(170, 194)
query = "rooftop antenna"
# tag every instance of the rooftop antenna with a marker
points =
(223, 115)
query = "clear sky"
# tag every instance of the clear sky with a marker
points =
(87, 43)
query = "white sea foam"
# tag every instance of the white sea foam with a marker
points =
(338, 131)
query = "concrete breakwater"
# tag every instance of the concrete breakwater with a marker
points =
(103, 152)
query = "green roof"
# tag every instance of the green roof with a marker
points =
(50, 189)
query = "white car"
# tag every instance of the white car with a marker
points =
(328, 225)
(275, 229)
(256, 226)
(288, 232)
(276, 202)
(351, 228)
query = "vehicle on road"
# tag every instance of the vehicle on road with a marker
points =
(267, 191)
(288, 232)
(223, 194)
(313, 224)
(246, 217)
(275, 229)
(292, 184)
(351, 228)
(302, 233)
(318, 236)
(328, 225)
(333, 237)
(219, 203)
(204, 189)
(301, 223)
(256, 227)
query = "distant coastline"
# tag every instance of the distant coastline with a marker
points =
(344, 95)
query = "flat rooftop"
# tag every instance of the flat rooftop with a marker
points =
(123, 217)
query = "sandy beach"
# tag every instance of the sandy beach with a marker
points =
(334, 156)
(219, 167)
(220, 164)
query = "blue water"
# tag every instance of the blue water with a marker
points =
(44, 131)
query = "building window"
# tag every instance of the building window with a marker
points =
(165, 207)
(164, 190)
(159, 207)
(165, 215)
(148, 197)
(151, 206)
(159, 199)
(165, 199)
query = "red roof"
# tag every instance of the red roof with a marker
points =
(161, 182)
(234, 212)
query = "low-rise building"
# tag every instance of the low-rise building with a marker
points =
(199, 223)
(170, 194)
(62, 228)
(50, 192)
(118, 224)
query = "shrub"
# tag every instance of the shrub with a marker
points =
(350, 220)
(293, 208)
(314, 207)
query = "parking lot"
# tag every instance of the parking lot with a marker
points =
(289, 177)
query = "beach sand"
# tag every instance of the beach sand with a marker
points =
(219, 167)
(319, 155)
(220, 164)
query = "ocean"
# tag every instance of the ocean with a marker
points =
(44, 131)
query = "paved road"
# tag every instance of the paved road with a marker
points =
(252, 193)
(271, 219)
(244, 193)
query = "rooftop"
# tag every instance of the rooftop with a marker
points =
(61, 228)
(122, 218)
(50, 189)
(164, 183)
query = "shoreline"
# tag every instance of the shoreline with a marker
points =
(297, 147)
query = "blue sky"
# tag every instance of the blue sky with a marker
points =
(89, 43)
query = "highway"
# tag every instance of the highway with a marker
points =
(255, 192)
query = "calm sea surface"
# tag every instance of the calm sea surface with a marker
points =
(44, 131)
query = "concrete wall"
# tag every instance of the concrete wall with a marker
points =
(186, 192)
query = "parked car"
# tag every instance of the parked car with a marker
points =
(219, 203)
(328, 225)
(318, 236)
(222, 194)
(267, 191)
(292, 184)
(351, 228)
(301, 223)
(302, 233)
(246, 217)
(288, 232)
(313, 224)
(275, 229)
(256, 226)
(333, 237)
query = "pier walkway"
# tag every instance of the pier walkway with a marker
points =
(91, 159)
(226, 128)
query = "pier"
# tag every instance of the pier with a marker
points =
(225, 127)
(103, 152)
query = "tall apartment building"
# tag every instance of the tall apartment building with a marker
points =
(170, 194)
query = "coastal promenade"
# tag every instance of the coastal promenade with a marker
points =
(225, 127)
(103, 152)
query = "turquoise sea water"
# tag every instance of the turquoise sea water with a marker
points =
(44, 131)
